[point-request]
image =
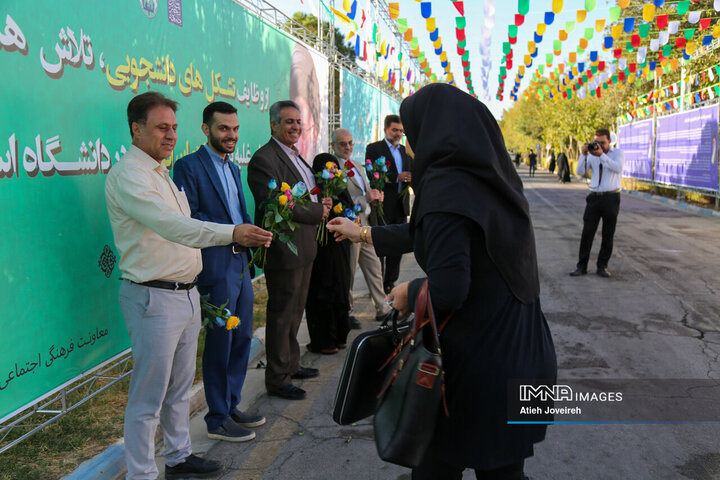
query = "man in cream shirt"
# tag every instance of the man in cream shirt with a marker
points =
(159, 246)
(362, 254)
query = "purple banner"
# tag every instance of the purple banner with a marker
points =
(686, 149)
(636, 141)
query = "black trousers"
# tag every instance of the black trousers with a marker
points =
(599, 206)
(391, 264)
(390, 269)
(433, 468)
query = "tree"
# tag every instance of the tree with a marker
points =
(310, 22)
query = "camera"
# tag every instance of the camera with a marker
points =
(592, 146)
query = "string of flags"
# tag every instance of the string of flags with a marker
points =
(643, 66)
(633, 49)
(486, 61)
(697, 88)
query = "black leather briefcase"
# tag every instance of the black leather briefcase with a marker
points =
(365, 369)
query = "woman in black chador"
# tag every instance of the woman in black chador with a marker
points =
(563, 168)
(328, 303)
(471, 233)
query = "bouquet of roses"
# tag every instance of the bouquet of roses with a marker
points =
(217, 316)
(331, 182)
(377, 176)
(278, 208)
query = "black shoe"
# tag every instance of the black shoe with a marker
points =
(246, 420)
(388, 287)
(230, 431)
(305, 372)
(578, 271)
(193, 467)
(603, 272)
(288, 391)
(354, 323)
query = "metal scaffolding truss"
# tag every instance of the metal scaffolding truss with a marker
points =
(272, 15)
(384, 12)
(50, 408)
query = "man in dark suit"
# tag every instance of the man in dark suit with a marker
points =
(211, 182)
(287, 274)
(396, 208)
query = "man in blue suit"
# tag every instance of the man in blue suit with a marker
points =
(212, 184)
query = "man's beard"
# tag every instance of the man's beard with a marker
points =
(216, 143)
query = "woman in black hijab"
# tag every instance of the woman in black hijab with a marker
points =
(328, 303)
(563, 168)
(471, 233)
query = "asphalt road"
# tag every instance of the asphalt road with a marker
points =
(658, 317)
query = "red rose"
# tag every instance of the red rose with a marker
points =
(387, 163)
(349, 165)
(315, 191)
(351, 173)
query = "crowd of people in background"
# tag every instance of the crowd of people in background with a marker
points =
(559, 162)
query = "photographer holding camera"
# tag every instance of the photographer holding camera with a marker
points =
(603, 202)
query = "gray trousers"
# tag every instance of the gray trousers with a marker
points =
(363, 254)
(163, 326)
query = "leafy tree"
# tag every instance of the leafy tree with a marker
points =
(310, 22)
(567, 124)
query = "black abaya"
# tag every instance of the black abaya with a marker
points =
(563, 168)
(472, 235)
(492, 337)
(328, 302)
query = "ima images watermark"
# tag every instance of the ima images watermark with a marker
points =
(561, 393)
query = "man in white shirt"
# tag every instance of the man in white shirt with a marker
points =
(159, 246)
(362, 254)
(603, 202)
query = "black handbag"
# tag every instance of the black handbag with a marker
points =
(410, 399)
(362, 376)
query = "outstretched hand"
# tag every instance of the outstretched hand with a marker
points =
(249, 235)
(344, 229)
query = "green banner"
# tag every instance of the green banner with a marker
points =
(364, 108)
(70, 69)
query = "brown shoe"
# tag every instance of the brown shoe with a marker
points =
(603, 272)
(578, 271)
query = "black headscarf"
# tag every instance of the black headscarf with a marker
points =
(321, 159)
(462, 167)
(319, 163)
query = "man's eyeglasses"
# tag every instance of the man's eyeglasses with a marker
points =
(345, 144)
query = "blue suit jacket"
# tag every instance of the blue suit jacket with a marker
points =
(197, 176)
